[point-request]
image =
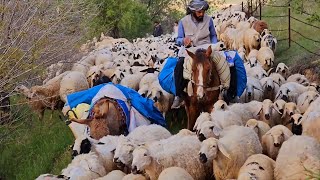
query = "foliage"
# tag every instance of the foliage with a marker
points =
(125, 18)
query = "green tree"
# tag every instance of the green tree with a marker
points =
(125, 18)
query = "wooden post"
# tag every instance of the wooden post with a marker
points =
(260, 5)
(289, 23)
(242, 6)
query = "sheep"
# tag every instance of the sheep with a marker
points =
(290, 91)
(140, 135)
(81, 67)
(299, 78)
(104, 148)
(134, 177)
(153, 158)
(260, 127)
(257, 166)
(305, 99)
(203, 117)
(266, 112)
(289, 110)
(270, 41)
(175, 173)
(256, 72)
(237, 108)
(85, 166)
(266, 57)
(103, 56)
(230, 152)
(209, 129)
(277, 78)
(282, 69)
(273, 139)
(269, 87)
(278, 107)
(185, 132)
(253, 54)
(113, 175)
(297, 157)
(253, 91)
(310, 125)
(259, 26)
(251, 40)
(147, 80)
(132, 81)
(72, 82)
(296, 124)
(223, 119)
(162, 99)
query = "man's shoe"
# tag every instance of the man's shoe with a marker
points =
(176, 102)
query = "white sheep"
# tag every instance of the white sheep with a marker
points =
(72, 82)
(299, 78)
(268, 40)
(113, 175)
(269, 87)
(51, 177)
(310, 125)
(273, 139)
(260, 127)
(203, 117)
(290, 91)
(282, 69)
(257, 166)
(230, 152)
(256, 72)
(140, 135)
(277, 112)
(223, 119)
(266, 57)
(297, 157)
(153, 158)
(85, 166)
(253, 91)
(278, 78)
(289, 110)
(253, 54)
(132, 80)
(175, 173)
(305, 99)
(251, 40)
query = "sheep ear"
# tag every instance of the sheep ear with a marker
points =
(216, 131)
(223, 150)
(299, 120)
(284, 113)
(209, 51)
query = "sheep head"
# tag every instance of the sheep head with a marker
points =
(278, 137)
(253, 124)
(209, 129)
(290, 109)
(278, 105)
(203, 117)
(141, 159)
(123, 154)
(220, 105)
(209, 150)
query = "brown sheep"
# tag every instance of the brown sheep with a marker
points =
(259, 26)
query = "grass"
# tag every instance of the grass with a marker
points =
(35, 147)
(294, 53)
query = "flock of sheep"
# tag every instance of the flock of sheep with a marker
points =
(272, 133)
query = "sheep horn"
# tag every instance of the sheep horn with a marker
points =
(81, 121)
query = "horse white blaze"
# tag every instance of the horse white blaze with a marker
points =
(200, 92)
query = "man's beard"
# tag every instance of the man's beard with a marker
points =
(199, 19)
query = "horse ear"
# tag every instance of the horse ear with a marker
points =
(193, 56)
(209, 51)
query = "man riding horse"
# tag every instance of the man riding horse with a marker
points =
(207, 73)
(195, 29)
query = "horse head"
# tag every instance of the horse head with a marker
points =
(202, 71)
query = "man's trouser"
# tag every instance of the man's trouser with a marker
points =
(180, 82)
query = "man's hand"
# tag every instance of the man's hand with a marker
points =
(187, 41)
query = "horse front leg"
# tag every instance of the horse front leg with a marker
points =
(193, 114)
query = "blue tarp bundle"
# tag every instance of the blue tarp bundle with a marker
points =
(143, 105)
(166, 76)
(241, 74)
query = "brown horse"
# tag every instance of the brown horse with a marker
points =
(107, 119)
(205, 84)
